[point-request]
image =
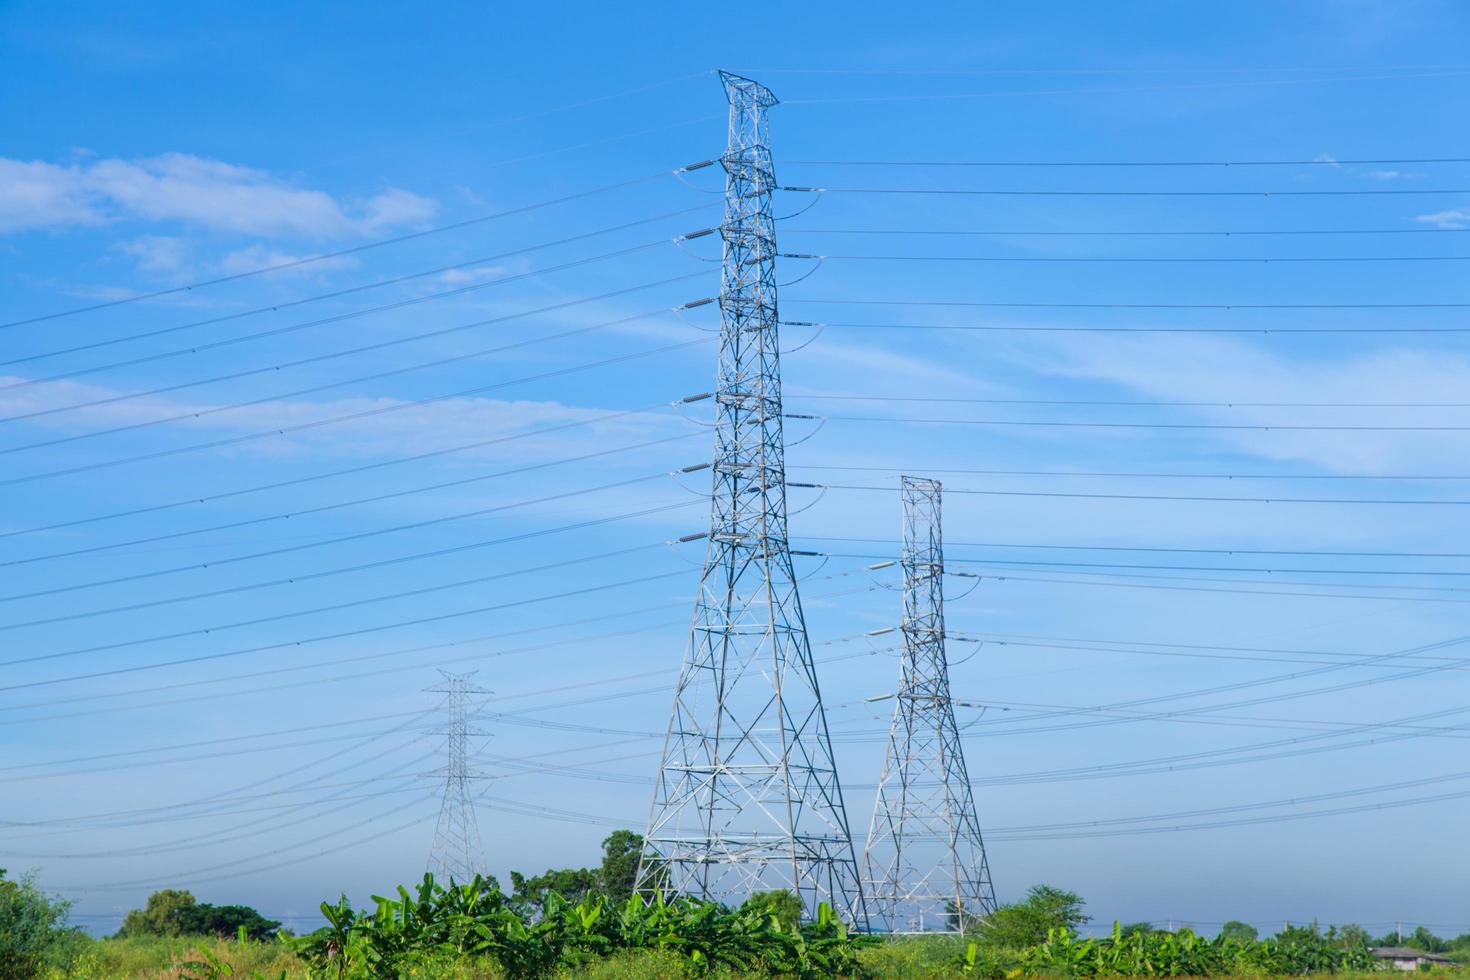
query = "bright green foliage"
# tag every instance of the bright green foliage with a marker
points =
(784, 905)
(615, 878)
(475, 920)
(185, 957)
(34, 935)
(1168, 954)
(529, 894)
(1028, 922)
(175, 912)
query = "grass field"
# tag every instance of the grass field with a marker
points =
(926, 958)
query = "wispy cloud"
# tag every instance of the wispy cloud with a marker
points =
(1209, 369)
(204, 193)
(1453, 218)
(403, 427)
(260, 257)
(156, 253)
(461, 277)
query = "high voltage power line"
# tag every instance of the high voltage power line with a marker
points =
(341, 504)
(1064, 328)
(1133, 306)
(1019, 192)
(331, 355)
(355, 470)
(351, 416)
(372, 533)
(1022, 717)
(297, 263)
(1316, 162)
(1134, 260)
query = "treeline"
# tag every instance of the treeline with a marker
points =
(573, 920)
(1041, 936)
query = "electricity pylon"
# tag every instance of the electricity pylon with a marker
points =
(457, 854)
(747, 797)
(924, 864)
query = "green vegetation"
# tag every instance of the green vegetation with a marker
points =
(1043, 911)
(1157, 953)
(1422, 939)
(613, 879)
(172, 912)
(474, 931)
(1239, 931)
(34, 935)
(437, 924)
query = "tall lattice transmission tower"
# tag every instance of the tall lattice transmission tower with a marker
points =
(747, 797)
(457, 854)
(924, 865)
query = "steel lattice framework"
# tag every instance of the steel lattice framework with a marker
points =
(747, 797)
(925, 867)
(457, 854)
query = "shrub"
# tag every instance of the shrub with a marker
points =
(34, 934)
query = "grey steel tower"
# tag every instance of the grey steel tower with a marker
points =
(747, 797)
(457, 854)
(924, 865)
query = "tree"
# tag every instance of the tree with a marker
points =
(1026, 923)
(1427, 941)
(1298, 934)
(1349, 936)
(175, 912)
(1242, 932)
(225, 921)
(34, 934)
(621, 851)
(529, 894)
(1136, 929)
(160, 915)
(615, 877)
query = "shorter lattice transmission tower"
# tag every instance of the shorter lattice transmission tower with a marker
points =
(924, 867)
(457, 854)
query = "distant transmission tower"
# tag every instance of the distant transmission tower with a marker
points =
(457, 854)
(925, 863)
(747, 797)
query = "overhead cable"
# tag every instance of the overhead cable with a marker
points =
(322, 257)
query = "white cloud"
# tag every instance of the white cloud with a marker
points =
(1209, 369)
(401, 428)
(41, 195)
(1454, 218)
(156, 253)
(205, 193)
(395, 207)
(260, 257)
(461, 277)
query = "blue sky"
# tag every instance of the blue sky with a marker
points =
(293, 498)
